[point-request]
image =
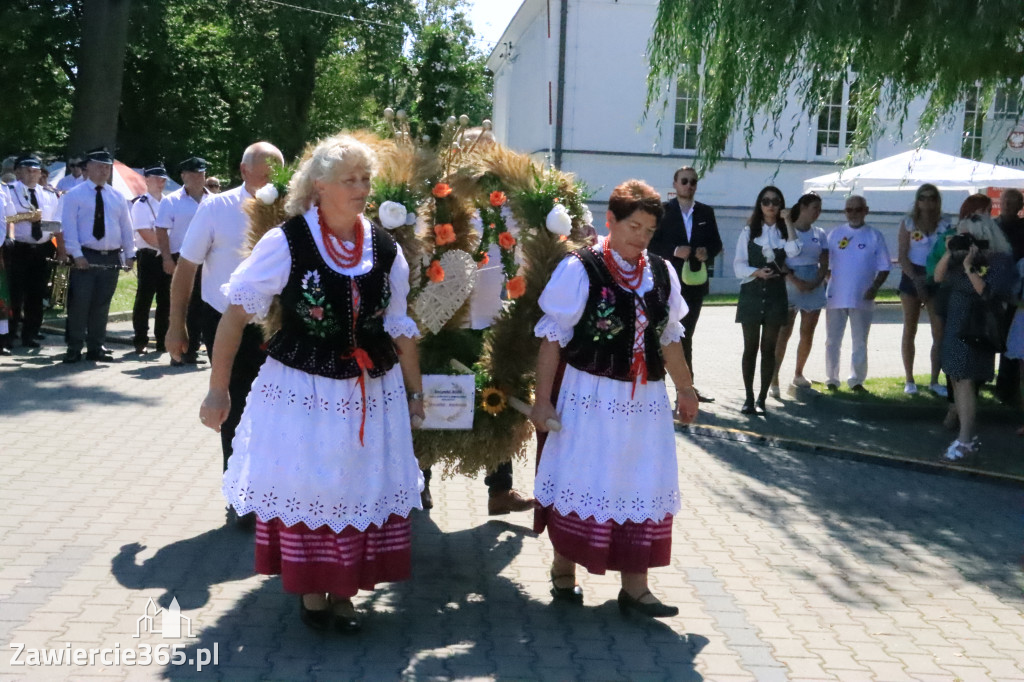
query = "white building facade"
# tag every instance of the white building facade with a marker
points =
(572, 93)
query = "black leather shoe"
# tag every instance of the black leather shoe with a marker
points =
(346, 623)
(99, 356)
(653, 610)
(759, 406)
(189, 359)
(5, 351)
(701, 398)
(72, 356)
(573, 595)
(30, 343)
(319, 619)
(748, 407)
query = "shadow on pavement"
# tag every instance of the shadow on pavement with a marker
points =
(456, 618)
(893, 521)
(188, 568)
(45, 389)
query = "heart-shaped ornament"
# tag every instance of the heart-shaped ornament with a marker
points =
(439, 301)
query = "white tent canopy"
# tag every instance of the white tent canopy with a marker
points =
(909, 170)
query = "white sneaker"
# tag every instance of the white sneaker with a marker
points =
(801, 382)
(958, 449)
(775, 391)
(910, 388)
(939, 390)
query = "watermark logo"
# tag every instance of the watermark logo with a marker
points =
(168, 623)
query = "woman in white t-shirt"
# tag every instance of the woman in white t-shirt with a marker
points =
(805, 286)
(917, 234)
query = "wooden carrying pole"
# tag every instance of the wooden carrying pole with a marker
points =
(515, 403)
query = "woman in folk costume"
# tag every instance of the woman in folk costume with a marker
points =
(607, 483)
(323, 454)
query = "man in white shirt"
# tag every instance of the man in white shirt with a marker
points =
(172, 223)
(858, 262)
(98, 235)
(72, 175)
(6, 342)
(215, 240)
(153, 281)
(38, 223)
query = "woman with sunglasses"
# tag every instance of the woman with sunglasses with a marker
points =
(805, 287)
(763, 306)
(918, 233)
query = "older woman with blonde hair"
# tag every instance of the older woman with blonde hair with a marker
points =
(978, 270)
(323, 454)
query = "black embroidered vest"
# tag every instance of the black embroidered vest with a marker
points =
(317, 333)
(602, 342)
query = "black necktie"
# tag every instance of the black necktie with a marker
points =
(98, 222)
(37, 226)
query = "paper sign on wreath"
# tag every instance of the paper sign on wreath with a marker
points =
(439, 301)
(449, 401)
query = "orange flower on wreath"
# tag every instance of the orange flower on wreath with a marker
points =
(484, 261)
(498, 199)
(441, 190)
(516, 287)
(435, 273)
(506, 241)
(444, 234)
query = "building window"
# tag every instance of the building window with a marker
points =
(687, 117)
(974, 127)
(1006, 106)
(837, 121)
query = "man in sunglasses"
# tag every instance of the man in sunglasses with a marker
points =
(858, 264)
(687, 237)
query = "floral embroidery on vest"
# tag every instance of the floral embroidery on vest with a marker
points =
(603, 325)
(313, 308)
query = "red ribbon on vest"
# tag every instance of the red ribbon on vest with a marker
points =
(638, 370)
(365, 363)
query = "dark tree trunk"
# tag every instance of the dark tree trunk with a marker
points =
(100, 72)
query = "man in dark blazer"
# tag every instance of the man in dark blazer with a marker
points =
(688, 236)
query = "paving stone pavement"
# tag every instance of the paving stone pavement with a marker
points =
(786, 566)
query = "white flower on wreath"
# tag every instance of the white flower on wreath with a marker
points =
(267, 194)
(588, 217)
(392, 214)
(410, 218)
(559, 221)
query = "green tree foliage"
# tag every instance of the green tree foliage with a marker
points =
(750, 56)
(37, 74)
(209, 77)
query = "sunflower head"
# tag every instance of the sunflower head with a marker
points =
(493, 401)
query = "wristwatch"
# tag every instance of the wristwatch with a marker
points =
(416, 395)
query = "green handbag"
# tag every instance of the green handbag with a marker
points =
(694, 278)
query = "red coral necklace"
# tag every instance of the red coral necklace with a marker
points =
(342, 256)
(630, 280)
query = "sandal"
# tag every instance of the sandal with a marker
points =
(573, 595)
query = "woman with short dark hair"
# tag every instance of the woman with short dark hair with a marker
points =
(607, 482)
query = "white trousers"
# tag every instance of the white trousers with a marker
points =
(835, 327)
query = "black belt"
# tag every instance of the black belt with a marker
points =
(102, 253)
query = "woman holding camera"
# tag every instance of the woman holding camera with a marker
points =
(763, 306)
(978, 269)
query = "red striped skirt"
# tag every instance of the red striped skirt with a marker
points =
(340, 563)
(628, 547)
